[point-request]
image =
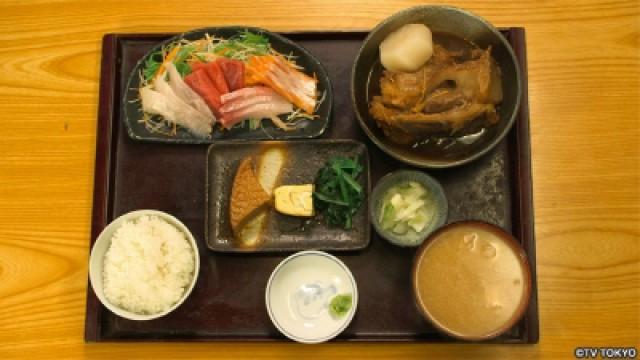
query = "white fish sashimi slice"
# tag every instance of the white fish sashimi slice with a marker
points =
(154, 102)
(162, 86)
(186, 111)
(184, 92)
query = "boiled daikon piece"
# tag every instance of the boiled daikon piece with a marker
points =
(407, 49)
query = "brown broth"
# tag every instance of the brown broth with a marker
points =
(470, 281)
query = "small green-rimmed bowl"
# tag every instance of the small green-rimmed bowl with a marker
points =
(438, 203)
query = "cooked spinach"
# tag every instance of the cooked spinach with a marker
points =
(337, 192)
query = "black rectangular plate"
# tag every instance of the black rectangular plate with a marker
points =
(284, 233)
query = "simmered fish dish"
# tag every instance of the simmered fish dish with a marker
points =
(455, 87)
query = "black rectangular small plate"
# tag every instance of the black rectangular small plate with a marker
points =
(284, 233)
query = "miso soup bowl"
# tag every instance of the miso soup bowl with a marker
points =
(452, 21)
(511, 243)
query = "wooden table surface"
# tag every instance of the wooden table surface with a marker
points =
(584, 95)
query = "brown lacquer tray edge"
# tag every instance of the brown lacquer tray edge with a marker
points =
(102, 197)
(102, 169)
(523, 198)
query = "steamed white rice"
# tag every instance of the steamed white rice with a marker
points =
(148, 266)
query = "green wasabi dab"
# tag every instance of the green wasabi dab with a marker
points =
(340, 305)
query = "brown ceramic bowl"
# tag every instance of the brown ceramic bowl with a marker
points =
(510, 242)
(443, 20)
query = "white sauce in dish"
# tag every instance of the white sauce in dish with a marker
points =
(311, 300)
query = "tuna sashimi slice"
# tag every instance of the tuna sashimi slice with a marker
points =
(217, 77)
(233, 71)
(197, 65)
(201, 84)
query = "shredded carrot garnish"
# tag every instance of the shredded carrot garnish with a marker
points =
(167, 59)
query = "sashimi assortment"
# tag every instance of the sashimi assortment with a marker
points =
(213, 84)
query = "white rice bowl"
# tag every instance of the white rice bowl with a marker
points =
(148, 267)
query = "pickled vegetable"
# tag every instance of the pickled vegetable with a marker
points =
(407, 209)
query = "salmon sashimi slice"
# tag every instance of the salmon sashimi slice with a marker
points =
(277, 73)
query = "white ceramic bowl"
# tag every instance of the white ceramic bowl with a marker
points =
(96, 261)
(299, 291)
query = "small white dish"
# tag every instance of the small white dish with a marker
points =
(100, 247)
(299, 292)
